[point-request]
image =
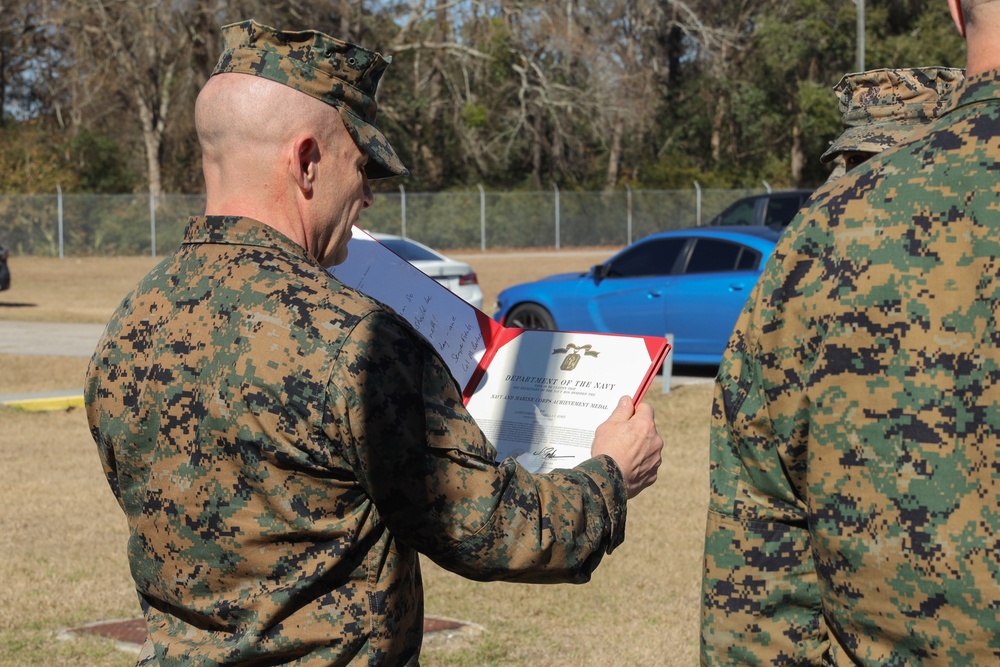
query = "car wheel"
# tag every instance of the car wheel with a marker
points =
(530, 316)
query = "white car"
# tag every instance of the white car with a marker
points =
(456, 276)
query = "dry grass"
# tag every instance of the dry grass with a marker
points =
(27, 374)
(641, 607)
(75, 289)
(62, 537)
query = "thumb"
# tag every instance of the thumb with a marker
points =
(624, 410)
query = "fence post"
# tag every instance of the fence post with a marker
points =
(402, 210)
(697, 204)
(59, 209)
(152, 221)
(556, 187)
(628, 214)
(667, 370)
(482, 217)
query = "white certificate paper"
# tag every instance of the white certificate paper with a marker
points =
(537, 395)
(453, 326)
(546, 392)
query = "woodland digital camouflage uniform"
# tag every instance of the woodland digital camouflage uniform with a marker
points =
(882, 107)
(283, 446)
(855, 477)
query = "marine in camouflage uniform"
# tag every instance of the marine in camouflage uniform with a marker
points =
(284, 446)
(854, 513)
(882, 107)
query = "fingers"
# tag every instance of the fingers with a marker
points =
(647, 452)
(623, 411)
(643, 411)
(629, 436)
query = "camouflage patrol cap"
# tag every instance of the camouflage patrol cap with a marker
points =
(882, 107)
(341, 74)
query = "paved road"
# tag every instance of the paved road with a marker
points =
(49, 338)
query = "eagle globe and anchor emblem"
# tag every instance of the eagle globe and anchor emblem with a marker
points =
(573, 355)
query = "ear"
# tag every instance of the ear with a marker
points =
(302, 162)
(956, 15)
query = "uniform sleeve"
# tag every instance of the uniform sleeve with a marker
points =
(760, 596)
(432, 477)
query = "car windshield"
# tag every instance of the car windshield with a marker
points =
(781, 210)
(411, 252)
(740, 213)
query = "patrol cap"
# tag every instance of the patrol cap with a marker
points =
(882, 107)
(341, 74)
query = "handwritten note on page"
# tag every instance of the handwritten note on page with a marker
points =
(450, 324)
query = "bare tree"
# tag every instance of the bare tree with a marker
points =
(511, 92)
(30, 50)
(141, 52)
(538, 85)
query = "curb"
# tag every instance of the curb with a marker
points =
(45, 401)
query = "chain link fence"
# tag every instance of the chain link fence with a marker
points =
(79, 225)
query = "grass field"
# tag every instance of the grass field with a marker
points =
(62, 536)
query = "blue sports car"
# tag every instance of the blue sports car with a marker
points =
(691, 283)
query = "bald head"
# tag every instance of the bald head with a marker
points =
(245, 124)
(283, 158)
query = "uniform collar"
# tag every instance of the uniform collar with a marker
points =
(237, 230)
(980, 87)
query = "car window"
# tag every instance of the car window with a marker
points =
(714, 256)
(748, 260)
(781, 210)
(741, 213)
(411, 252)
(650, 258)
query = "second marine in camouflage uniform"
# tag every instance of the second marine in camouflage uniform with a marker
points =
(855, 477)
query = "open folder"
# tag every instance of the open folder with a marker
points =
(537, 395)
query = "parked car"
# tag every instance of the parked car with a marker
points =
(4, 270)
(773, 209)
(691, 283)
(456, 276)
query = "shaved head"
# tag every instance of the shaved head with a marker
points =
(245, 122)
(279, 156)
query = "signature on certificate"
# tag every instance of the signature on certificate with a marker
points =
(539, 460)
(549, 453)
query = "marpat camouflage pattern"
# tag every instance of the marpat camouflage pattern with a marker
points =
(855, 478)
(284, 446)
(882, 107)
